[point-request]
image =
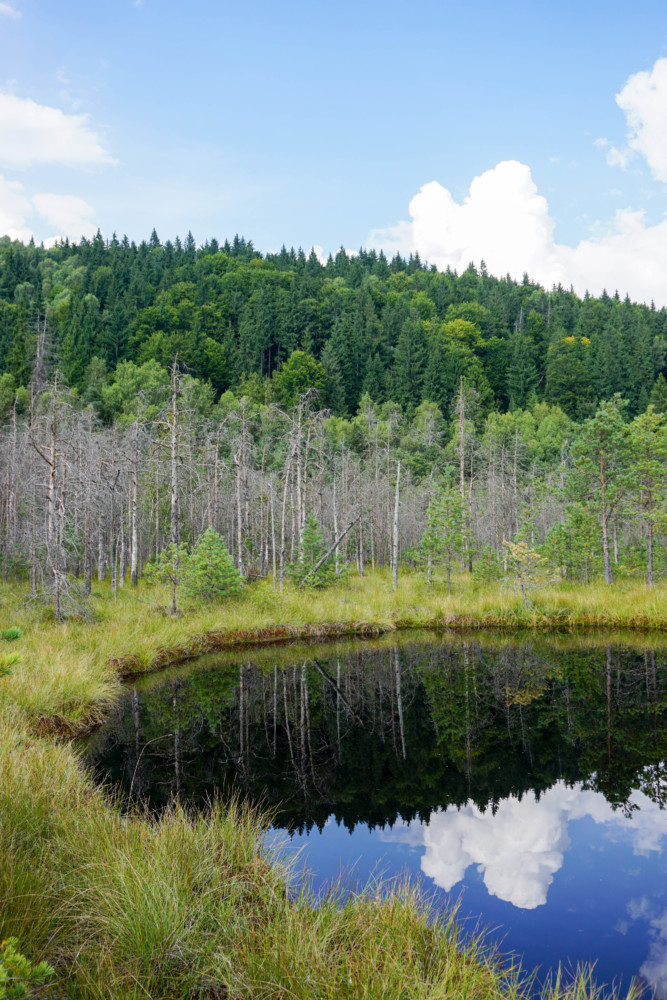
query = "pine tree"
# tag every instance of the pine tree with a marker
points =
(209, 572)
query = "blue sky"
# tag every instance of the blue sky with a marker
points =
(319, 124)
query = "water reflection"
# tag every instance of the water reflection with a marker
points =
(530, 773)
(519, 847)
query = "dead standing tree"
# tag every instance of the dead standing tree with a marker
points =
(67, 598)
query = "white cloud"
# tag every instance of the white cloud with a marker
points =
(505, 222)
(14, 206)
(68, 215)
(654, 967)
(36, 134)
(71, 216)
(643, 99)
(519, 848)
(9, 10)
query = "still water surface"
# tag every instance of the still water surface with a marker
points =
(525, 778)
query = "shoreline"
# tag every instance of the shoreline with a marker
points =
(79, 875)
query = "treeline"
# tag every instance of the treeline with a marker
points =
(286, 485)
(113, 315)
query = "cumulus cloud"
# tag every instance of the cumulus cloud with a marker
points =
(519, 848)
(654, 967)
(34, 134)
(9, 10)
(14, 207)
(69, 215)
(504, 221)
(643, 99)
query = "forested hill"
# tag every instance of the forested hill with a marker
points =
(395, 329)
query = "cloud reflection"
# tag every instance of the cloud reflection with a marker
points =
(519, 848)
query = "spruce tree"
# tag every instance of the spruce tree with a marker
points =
(209, 572)
(310, 552)
(658, 397)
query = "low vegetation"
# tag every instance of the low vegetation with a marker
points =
(131, 906)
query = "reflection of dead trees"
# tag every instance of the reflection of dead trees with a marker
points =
(399, 697)
(366, 693)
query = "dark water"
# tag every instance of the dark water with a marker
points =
(525, 778)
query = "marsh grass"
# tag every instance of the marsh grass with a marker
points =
(72, 670)
(126, 905)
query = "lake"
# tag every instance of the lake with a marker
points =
(523, 777)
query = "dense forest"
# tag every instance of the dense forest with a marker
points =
(150, 392)
(395, 330)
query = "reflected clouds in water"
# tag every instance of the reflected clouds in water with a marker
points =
(519, 847)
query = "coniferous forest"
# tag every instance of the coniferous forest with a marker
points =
(151, 392)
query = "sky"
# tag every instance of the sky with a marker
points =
(532, 136)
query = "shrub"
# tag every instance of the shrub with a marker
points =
(209, 572)
(310, 552)
(10, 634)
(6, 663)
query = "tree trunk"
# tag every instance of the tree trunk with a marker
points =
(174, 452)
(395, 552)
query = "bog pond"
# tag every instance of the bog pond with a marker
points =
(524, 777)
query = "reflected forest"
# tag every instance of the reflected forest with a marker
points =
(370, 734)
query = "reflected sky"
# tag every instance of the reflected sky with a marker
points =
(560, 878)
(519, 846)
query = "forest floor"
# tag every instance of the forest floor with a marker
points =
(129, 906)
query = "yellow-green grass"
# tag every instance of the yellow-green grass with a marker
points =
(72, 670)
(129, 906)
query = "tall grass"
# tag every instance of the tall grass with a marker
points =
(68, 669)
(130, 906)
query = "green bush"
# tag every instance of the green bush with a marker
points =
(209, 572)
(10, 634)
(6, 663)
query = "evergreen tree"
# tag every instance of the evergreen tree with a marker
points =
(522, 377)
(209, 572)
(408, 369)
(658, 397)
(600, 468)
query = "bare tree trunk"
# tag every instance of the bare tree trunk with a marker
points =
(273, 536)
(239, 517)
(174, 451)
(462, 460)
(288, 469)
(335, 516)
(134, 532)
(608, 572)
(123, 547)
(87, 560)
(395, 552)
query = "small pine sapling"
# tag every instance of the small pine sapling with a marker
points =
(209, 572)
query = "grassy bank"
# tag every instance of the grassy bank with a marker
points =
(125, 906)
(73, 670)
